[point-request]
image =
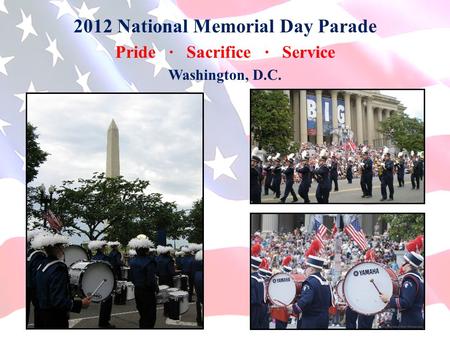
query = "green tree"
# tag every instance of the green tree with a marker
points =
(404, 131)
(195, 222)
(35, 155)
(271, 121)
(404, 227)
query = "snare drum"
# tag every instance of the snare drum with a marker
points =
(124, 271)
(73, 254)
(181, 282)
(362, 287)
(178, 304)
(87, 276)
(163, 294)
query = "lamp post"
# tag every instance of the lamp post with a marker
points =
(46, 200)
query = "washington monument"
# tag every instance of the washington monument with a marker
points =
(112, 151)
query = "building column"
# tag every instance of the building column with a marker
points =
(303, 117)
(269, 223)
(370, 123)
(359, 112)
(319, 117)
(334, 112)
(296, 110)
(380, 119)
(388, 113)
(348, 115)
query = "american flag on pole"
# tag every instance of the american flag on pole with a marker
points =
(53, 221)
(319, 228)
(354, 230)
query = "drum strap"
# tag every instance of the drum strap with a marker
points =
(322, 282)
(34, 252)
(50, 264)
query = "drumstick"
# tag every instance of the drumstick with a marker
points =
(376, 287)
(98, 287)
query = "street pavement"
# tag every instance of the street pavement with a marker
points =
(351, 193)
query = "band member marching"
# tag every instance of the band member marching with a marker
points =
(387, 177)
(322, 176)
(305, 173)
(255, 180)
(400, 167)
(349, 173)
(334, 172)
(410, 302)
(267, 170)
(257, 303)
(276, 177)
(315, 298)
(289, 175)
(366, 175)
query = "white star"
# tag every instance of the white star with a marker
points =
(198, 87)
(133, 87)
(159, 61)
(99, 47)
(64, 8)
(53, 49)
(22, 158)
(3, 7)
(167, 10)
(22, 95)
(2, 125)
(222, 165)
(27, 26)
(3, 62)
(85, 12)
(83, 79)
(122, 39)
(129, 3)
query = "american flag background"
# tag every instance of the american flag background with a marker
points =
(40, 52)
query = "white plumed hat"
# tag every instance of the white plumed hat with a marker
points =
(140, 243)
(116, 243)
(199, 256)
(47, 239)
(95, 245)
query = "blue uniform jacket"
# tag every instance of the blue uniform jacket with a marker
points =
(143, 272)
(197, 271)
(100, 256)
(411, 300)
(314, 301)
(186, 264)
(34, 259)
(165, 265)
(257, 304)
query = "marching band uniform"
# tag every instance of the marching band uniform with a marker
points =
(257, 304)
(187, 269)
(143, 276)
(115, 258)
(276, 178)
(387, 179)
(400, 166)
(197, 270)
(421, 166)
(165, 266)
(106, 304)
(334, 173)
(268, 174)
(415, 174)
(303, 188)
(410, 302)
(52, 287)
(323, 183)
(315, 298)
(349, 175)
(366, 177)
(255, 181)
(289, 174)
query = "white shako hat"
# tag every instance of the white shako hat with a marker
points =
(199, 255)
(116, 243)
(47, 239)
(161, 250)
(140, 243)
(413, 258)
(95, 245)
(194, 247)
(32, 233)
(315, 262)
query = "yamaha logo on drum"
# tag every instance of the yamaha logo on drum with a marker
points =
(366, 272)
(281, 280)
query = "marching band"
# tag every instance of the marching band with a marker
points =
(61, 279)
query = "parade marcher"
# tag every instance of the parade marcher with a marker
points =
(52, 285)
(349, 173)
(276, 177)
(165, 266)
(188, 266)
(257, 302)
(143, 276)
(421, 165)
(115, 259)
(415, 172)
(289, 175)
(366, 175)
(387, 178)
(267, 170)
(179, 257)
(334, 172)
(286, 268)
(106, 305)
(400, 167)
(410, 302)
(315, 298)
(322, 176)
(35, 257)
(255, 180)
(305, 173)
(197, 271)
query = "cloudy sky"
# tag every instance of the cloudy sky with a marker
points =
(411, 99)
(160, 139)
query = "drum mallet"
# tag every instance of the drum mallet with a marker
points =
(376, 287)
(98, 287)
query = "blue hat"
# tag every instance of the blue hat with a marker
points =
(255, 261)
(315, 262)
(413, 258)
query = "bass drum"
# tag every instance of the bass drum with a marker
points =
(362, 287)
(90, 277)
(282, 290)
(73, 254)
